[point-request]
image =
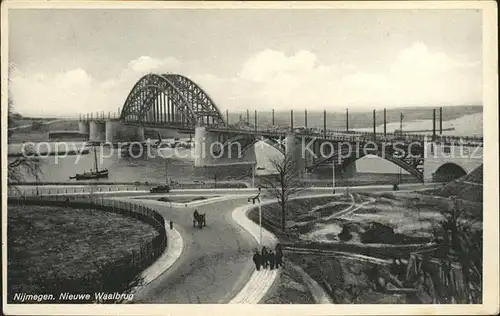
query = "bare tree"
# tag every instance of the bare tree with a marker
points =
(28, 163)
(284, 183)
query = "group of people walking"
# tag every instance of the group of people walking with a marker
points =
(268, 258)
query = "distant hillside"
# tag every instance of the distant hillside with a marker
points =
(469, 187)
(337, 119)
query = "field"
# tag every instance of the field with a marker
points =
(39, 134)
(389, 218)
(61, 243)
(386, 226)
(302, 214)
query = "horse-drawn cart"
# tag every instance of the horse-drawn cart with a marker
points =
(199, 220)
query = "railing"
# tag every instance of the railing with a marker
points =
(340, 135)
(320, 133)
(136, 260)
(19, 191)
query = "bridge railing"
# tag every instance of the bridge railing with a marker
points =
(353, 136)
(99, 116)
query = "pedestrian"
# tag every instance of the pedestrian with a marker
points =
(279, 256)
(271, 260)
(265, 258)
(257, 259)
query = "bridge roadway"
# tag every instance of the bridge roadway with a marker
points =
(337, 135)
(334, 135)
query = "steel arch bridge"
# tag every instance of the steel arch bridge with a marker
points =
(170, 100)
(408, 161)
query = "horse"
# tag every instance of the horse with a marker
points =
(199, 219)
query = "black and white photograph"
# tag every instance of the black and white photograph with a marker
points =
(325, 156)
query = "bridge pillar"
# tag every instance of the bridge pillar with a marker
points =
(97, 131)
(199, 137)
(349, 170)
(294, 148)
(307, 148)
(442, 157)
(139, 132)
(211, 150)
(113, 131)
(83, 127)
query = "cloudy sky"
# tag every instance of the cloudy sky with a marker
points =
(68, 61)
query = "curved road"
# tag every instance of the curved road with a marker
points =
(216, 261)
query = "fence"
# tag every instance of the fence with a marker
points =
(114, 276)
(18, 190)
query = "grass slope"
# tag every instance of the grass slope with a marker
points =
(290, 289)
(64, 243)
(469, 187)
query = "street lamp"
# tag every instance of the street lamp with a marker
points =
(253, 174)
(166, 172)
(36, 179)
(333, 175)
(401, 130)
(257, 197)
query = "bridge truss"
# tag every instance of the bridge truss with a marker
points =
(170, 100)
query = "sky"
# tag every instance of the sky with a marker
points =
(66, 61)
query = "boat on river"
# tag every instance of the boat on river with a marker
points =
(92, 174)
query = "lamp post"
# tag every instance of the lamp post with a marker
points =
(166, 172)
(253, 174)
(333, 175)
(257, 197)
(36, 178)
(401, 131)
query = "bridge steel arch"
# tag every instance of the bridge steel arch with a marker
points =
(247, 141)
(170, 100)
(408, 164)
(405, 162)
(449, 170)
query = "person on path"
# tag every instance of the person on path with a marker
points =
(272, 260)
(279, 256)
(265, 257)
(257, 259)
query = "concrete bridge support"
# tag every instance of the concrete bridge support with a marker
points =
(208, 151)
(83, 127)
(116, 132)
(166, 133)
(113, 131)
(349, 170)
(442, 161)
(306, 151)
(294, 148)
(139, 133)
(97, 131)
